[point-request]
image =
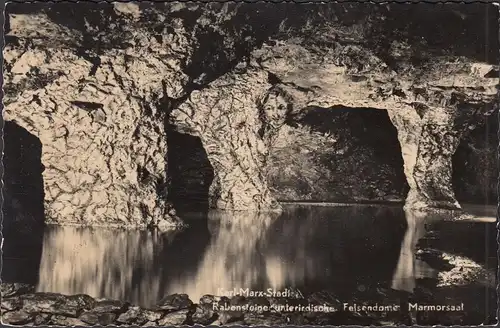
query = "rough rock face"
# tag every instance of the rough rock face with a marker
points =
(104, 145)
(430, 100)
(340, 155)
(430, 112)
(236, 118)
(96, 83)
(427, 146)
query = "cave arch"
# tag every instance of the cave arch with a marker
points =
(316, 74)
(338, 154)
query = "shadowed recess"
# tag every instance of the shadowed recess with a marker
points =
(338, 154)
(23, 209)
(189, 171)
(475, 163)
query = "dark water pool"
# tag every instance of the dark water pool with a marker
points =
(343, 249)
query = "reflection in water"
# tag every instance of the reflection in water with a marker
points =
(100, 262)
(234, 258)
(410, 268)
(337, 248)
(311, 248)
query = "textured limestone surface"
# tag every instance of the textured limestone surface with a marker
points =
(236, 118)
(430, 105)
(100, 85)
(103, 139)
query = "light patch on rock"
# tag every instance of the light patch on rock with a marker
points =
(40, 27)
(128, 8)
(480, 69)
(464, 272)
(236, 131)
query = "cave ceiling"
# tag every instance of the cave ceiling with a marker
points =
(378, 56)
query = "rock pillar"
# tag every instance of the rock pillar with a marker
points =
(428, 141)
(103, 144)
(236, 117)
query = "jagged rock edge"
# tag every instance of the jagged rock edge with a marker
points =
(436, 2)
(2, 147)
(498, 189)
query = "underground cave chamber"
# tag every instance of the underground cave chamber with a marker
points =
(336, 154)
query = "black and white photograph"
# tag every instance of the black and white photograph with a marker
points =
(250, 163)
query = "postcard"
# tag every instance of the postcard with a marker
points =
(249, 163)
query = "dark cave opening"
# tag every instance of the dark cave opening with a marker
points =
(189, 170)
(475, 164)
(339, 154)
(23, 204)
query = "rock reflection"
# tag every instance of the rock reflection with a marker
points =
(101, 262)
(310, 248)
(333, 248)
(306, 247)
(409, 268)
(235, 257)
